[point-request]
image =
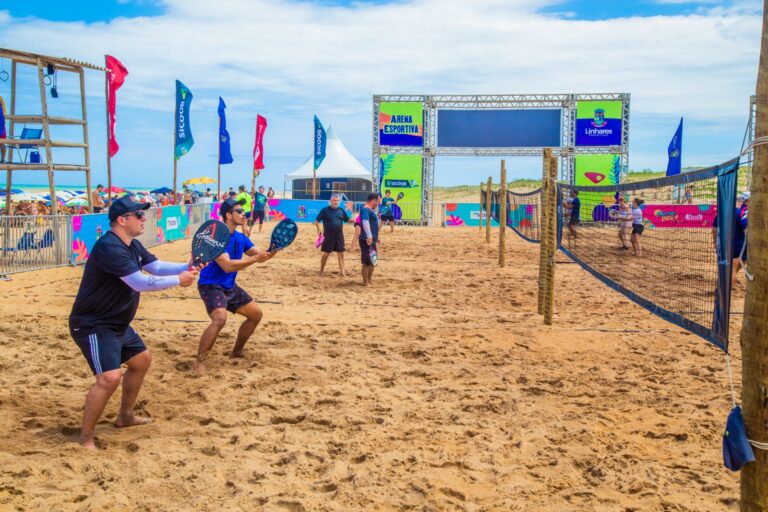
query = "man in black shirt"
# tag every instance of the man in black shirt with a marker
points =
(333, 219)
(105, 306)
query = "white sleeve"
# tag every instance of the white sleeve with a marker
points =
(367, 228)
(165, 268)
(145, 283)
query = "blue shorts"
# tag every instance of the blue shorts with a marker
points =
(365, 252)
(737, 251)
(333, 242)
(107, 350)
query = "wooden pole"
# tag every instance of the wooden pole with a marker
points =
(488, 211)
(47, 132)
(85, 140)
(549, 304)
(314, 183)
(503, 216)
(9, 173)
(109, 135)
(543, 228)
(754, 342)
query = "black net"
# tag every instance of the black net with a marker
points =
(524, 214)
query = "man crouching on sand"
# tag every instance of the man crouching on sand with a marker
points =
(105, 306)
(219, 291)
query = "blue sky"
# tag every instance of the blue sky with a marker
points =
(289, 60)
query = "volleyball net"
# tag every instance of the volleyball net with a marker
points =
(523, 212)
(666, 244)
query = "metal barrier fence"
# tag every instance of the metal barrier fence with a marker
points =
(34, 242)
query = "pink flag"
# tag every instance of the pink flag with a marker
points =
(115, 79)
(258, 147)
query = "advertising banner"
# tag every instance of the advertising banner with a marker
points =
(401, 123)
(402, 176)
(301, 210)
(86, 229)
(598, 123)
(184, 140)
(173, 223)
(659, 216)
(596, 170)
(465, 214)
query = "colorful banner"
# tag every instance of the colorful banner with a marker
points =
(301, 210)
(599, 123)
(258, 145)
(320, 140)
(402, 174)
(115, 78)
(656, 216)
(592, 170)
(86, 229)
(464, 214)
(401, 124)
(183, 133)
(225, 150)
(173, 223)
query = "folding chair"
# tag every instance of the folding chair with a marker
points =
(28, 134)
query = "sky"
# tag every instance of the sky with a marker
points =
(289, 60)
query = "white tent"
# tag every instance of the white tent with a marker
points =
(338, 163)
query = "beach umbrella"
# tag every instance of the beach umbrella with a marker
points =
(13, 191)
(203, 180)
(26, 196)
(161, 190)
(115, 190)
(77, 201)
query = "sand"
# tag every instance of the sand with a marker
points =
(437, 389)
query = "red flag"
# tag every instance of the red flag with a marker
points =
(258, 147)
(115, 79)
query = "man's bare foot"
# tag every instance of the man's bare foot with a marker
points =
(234, 354)
(321, 273)
(88, 444)
(131, 421)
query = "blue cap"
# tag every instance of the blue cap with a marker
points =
(123, 205)
(736, 448)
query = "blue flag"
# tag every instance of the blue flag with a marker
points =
(183, 134)
(225, 151)
(319, 143)
(675, 151)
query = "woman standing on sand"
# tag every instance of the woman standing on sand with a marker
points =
(637, 226)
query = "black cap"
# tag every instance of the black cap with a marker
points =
(229, 205)
(123, 205)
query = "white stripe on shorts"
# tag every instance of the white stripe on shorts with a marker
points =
(94, 342)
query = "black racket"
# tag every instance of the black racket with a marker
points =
(283, 235)
(210, 241)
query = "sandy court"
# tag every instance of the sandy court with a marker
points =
(437, 389)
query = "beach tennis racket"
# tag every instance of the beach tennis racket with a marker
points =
(374, 257)
(210, 241)
(283, 235)
(400, 196)
(319, 240)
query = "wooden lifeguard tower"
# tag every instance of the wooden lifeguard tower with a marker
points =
(42, 63)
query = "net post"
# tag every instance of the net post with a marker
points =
(543, 234)
(503, 216)
(551, 241)
(488, 211)
(480, 224)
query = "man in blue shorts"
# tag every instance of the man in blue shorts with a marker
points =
(259, 207)
(368, 236)
(386, 210)
(333, 219)
(105, 306)
(219, 291)
(739, 249)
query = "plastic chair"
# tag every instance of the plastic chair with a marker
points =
(28, 134)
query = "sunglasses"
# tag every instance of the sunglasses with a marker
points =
(139, 215)
(239, 210)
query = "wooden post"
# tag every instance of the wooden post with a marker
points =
(503, 216)
(754, 342)
(47, 135)
(9, 173)
(109, 135)
(549, 304)
(543, 235)
(488, 211)
(85, 140)
(480, 224)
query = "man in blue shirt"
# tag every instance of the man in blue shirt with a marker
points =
(219, 291)
(573, 205)
(369, 235)
(386, 210)
(333, 219)
(739, 240)
(105, 306)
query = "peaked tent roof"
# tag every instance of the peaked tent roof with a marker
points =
(338, 163)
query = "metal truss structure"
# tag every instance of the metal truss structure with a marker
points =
(433, 104)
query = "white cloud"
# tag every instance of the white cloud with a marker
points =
(293, 59)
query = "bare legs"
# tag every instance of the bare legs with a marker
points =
(101, 391)
(252, 313)
(324, 260)
(367, 271)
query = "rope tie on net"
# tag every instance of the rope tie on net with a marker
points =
(757, 444)
(759, 141)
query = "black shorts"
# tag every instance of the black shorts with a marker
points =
(737, 251)
(365, 252)
(97, 209)
(107, 350)
(637, 229)
(573, 222)
(258, 214)
(388, 218)
(216, 297)
(333, 242)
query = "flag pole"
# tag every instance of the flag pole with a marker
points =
(109, 135)
(218, 176)
(314, 183)
(174, 154)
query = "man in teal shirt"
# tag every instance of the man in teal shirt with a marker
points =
(259, 206)
(387, 214)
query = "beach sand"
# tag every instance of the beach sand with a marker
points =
(437, 389)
